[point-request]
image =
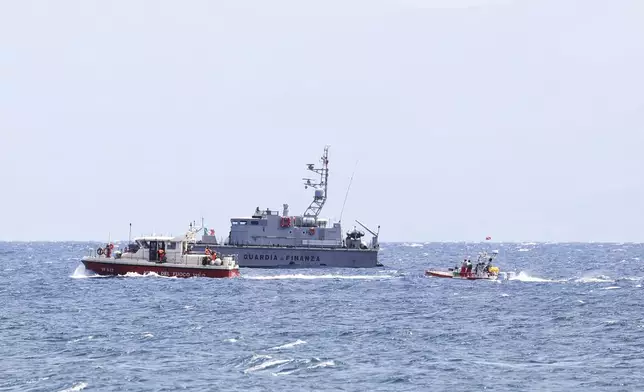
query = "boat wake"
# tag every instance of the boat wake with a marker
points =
(594, 279)
(145, 275)
(311, 277)
(590, 278)
(82, 273)
(525, 277)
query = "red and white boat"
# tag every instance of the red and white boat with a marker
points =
(163, 255)
(484, 270)
(456, 275)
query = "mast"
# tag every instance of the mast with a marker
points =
(319, 198)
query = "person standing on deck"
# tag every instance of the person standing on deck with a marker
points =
(463, 267)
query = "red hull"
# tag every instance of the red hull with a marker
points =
(162, 270)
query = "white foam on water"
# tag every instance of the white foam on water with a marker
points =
(286, 373)
(633, 278)
(313, 366)
(312, 277)
(82, 273)
(525, 277)
(322, 365)
(611, 288)
(259, 356)
(594, 279)
(149, 274)
(76, 387)
(288, 345)
(268, 364)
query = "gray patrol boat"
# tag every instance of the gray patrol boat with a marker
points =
(268, 239)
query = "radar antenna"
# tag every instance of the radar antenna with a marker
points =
(320, 187)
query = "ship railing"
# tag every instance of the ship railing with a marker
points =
(267, 211)
(94, 253)
(178, 258)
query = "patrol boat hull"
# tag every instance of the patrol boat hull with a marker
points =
(297, 257)
(104, 266)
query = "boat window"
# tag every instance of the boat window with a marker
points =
(171, 245)
(144, 244)
(132, 248)
(254, 222)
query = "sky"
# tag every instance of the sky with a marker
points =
(519, 120)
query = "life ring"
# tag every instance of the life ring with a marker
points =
(311, 231)
(99, 251)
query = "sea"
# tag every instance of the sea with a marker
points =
(572, 319)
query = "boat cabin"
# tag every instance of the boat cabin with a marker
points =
(270, 228)
(148, 247)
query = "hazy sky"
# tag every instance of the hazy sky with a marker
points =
(522, 120)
